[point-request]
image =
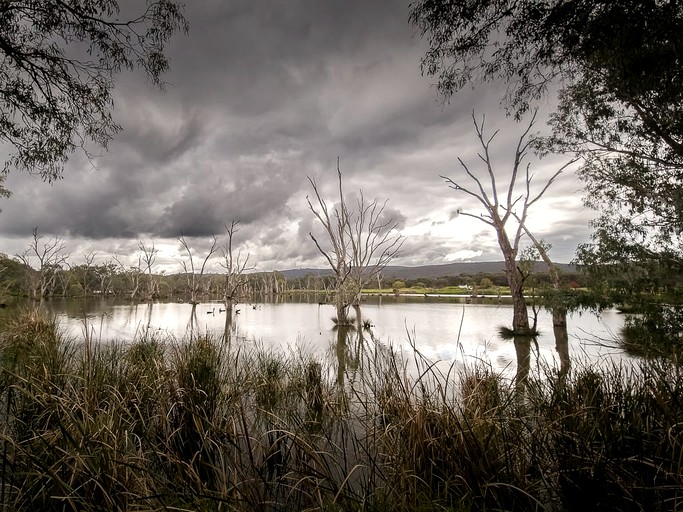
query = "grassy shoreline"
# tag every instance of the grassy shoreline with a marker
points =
(199, 425)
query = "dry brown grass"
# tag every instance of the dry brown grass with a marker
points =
(195, 425)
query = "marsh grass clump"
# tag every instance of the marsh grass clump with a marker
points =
(349, 322)
(61, 447)
(33, 340)
(159, 424)
(615, 437)
(507, 333)
(195, 395)
(456, 448)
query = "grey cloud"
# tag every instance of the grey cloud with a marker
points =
(393, 217)
(259, 96)
(413, 250)
(204, 208)
(157, 136)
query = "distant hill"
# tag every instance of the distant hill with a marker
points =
(449, 269)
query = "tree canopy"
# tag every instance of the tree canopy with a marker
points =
(627, 47)
(58, 62)
(620, 105)
(616, 68)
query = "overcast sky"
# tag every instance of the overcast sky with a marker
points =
(261, 95)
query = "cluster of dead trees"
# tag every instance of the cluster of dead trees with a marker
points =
(357, 241)
(356, 238)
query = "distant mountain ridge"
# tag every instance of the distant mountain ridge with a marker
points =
(448, 269)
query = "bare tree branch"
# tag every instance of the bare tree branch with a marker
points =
(235, 266)
(149, 256)
(362, 242)
(50, 255)
(194, 278)
(498, 215)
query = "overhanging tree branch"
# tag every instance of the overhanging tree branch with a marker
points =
(58, 62)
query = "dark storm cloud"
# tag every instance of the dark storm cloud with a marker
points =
(264, 88)
(261, 95)
(157, 142)
(205, 208)
(250, 58)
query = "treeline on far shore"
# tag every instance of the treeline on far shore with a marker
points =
(113, 280)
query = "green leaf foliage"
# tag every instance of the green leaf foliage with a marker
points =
(58, 62)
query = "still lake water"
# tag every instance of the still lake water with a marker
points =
(447, 330)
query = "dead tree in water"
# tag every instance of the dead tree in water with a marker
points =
(559, 312)
(194, 278)
(149, 256)
(132, 274)
(359, 244)
(501, 207)
(235, 266)
(374, 243)
(82, 272)
(50, 255)
(557, 306)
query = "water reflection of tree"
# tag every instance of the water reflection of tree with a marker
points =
(193, 324)
(523, 346)
(562, 346)
(340, 351)
(134, 313)
(230, 326)
(148, 324)
(349, 347)
(523, 354)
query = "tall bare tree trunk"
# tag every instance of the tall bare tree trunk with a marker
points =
(356, 308)
(342, 310)
(500, 205)
(520, 313)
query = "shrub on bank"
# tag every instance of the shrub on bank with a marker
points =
(202, 425)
